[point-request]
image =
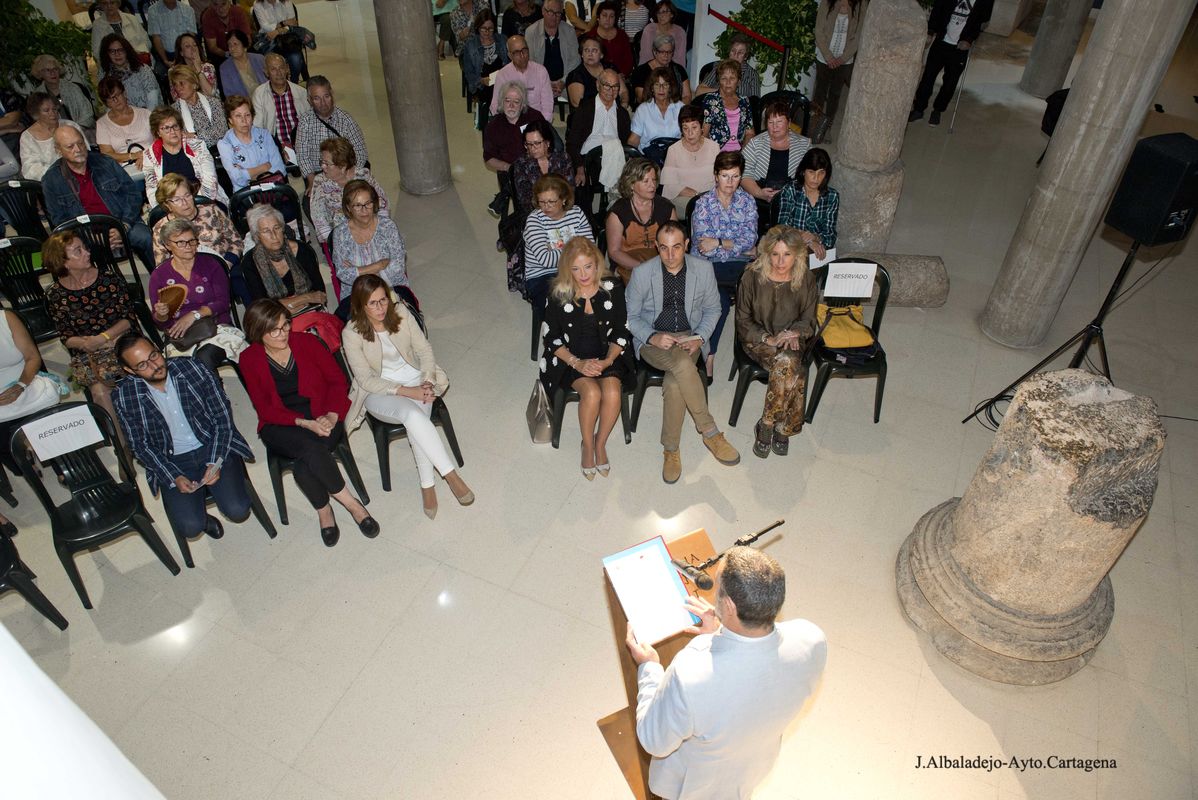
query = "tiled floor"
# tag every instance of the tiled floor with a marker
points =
(469, 657)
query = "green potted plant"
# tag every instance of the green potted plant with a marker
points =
(787, 22)
(28, 34)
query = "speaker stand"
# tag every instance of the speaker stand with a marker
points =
(1088, 336)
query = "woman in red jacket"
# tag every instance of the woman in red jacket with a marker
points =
(301, 397)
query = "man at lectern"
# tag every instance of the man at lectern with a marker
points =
(713, 721)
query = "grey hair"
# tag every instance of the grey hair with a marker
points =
(174, 227)
(319, 80)
(661, 40)
(519, 87)
(259, 212)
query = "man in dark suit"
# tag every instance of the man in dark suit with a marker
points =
(953, 27)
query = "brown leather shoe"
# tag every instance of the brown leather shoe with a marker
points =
(724, 453)
(671, 468)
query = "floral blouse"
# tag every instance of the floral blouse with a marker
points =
(208, 128)
(387, 242)
(216, 233)
(715, 115)
(209, 73)
(526, 172)
(326, 201)
(86, 312)
(737, 222)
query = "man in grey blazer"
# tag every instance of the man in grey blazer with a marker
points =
(673, 305)
(553, 45)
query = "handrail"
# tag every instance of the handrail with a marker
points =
(731, 23)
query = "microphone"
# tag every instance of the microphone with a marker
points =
(696, 576)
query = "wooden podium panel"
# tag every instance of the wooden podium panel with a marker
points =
(619, 727)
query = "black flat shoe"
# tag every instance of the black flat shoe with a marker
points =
(369, 527)
(214, 528)
(330, 536)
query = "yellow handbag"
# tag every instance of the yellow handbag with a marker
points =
(842, 327)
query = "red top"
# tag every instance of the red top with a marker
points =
(214, 27)
(320, 380)
(618, 50)
(89, 197)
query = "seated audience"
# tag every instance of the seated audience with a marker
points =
(202, 115)
(634, 16)
(484, 54)
(519, 15)
(109, 21)
(326, 120)
(673, 306)
(663, 25)
(540, 158)
(38, 150)
(204, 277)
(179, 424)
(247, 152)
(301, 397)
(279, 103)
(538, 89)
(556, 221)
(553, 45)
(690, 162)
(503, 139)
(811, 205)
(118, 59)
(218, 23)
(396, 380)
(587, 346)
(727, 116)
(187, 54)
(90, 308)
(25, 391)
(166, 21)
(724, 231)
(215, 230)
(582, 83)
(656, 119)
(276, 19)
(85, 182)
(123, 127)
(242, 72)
(175, 150)
(837, 34)
(73, 102)
(338, 166)
(633, 220)
(594, 124)
(749, 84)
(772, 160)
(663, 54)
(616, 43)
(775, 323)
(368, 243)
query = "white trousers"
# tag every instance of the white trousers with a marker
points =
(427, 448)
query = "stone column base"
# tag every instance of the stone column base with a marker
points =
(973, 630)
(868, 203)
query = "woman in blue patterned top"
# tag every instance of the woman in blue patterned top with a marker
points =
(368, 243)
(247, 152)
(811, 205)
(724, 231)
(726, 112)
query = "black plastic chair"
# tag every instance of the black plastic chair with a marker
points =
(277, 465)
(800, 108)
(101, 509)
(562, 396)
(23, 204)
(21, 275)
(647, 376)
(279, 195)
(746, 370)
(825, 360)
(15, 575)
(256, 508)
(386, 432)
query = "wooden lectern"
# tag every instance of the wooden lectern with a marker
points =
(619, 728)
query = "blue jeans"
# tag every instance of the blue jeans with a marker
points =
(188, 513)
(142, 242)
(727, 277)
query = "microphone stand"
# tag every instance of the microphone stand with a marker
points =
(694, 571)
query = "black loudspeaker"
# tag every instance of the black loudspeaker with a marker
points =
(1158, 196)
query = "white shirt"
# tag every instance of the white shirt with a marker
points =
(394, 367)
(714, 720)
(956, 22)
(649, 123)
(269, 15)
(605, 126)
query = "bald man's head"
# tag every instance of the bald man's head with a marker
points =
(71, 146)
(517, 50)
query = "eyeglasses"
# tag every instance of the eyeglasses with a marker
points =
(661, 85)
(546, 12)
(327, 164)
(609, 85)
(153, 357)
(518, 51)
(282, 330)
(361, 206)
(537, 143)
(175, 201)
(549, 203)
(668, 52)
(185, 242)
(168, 128)
(382, 302)
(112, 51)
(728, 176)
(487, 29)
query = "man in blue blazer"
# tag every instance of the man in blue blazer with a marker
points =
(673, 305)
(178, 423)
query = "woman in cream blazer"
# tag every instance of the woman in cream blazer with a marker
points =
(396, 380)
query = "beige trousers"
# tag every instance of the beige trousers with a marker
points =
(682, 390)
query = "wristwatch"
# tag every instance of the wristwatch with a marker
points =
(197, 315)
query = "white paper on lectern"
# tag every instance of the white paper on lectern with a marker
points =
(650, 591)
(850, 279)
(815, 262)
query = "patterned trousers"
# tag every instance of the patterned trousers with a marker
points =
(786, 391)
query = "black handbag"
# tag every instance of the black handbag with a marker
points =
(203, 328)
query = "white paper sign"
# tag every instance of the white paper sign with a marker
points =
(848, 279)
(64, 432)
(815, 262)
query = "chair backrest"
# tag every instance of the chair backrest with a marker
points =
(95, 230)
(21, 275)
(279, 195)
(156, 215)
(880, 296)
(22, 203)
(93, 488)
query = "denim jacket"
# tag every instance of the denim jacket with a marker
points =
(116, 188)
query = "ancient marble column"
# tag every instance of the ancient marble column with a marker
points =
(1060, 30)
(1010, 580)
(407, 42)
(868, 172)
(1126, 57)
